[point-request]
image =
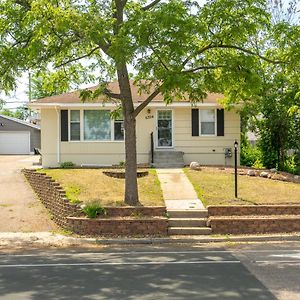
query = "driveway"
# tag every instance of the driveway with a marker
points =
(20, 209)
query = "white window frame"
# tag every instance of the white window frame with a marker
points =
(200, 123)
(70, 122)
(82, 140)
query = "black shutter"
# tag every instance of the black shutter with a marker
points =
(195, 122)
(220, 122)
(64, 126)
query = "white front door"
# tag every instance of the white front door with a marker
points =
(164, 129)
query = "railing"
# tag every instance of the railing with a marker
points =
(152, 148)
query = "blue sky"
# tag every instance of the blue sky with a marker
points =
(20, 97)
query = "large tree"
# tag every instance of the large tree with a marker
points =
(177, 48)
(272, 112)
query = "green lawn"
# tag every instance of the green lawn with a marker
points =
(216, 187)
(92, 185)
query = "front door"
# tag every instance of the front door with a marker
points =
(164, 129)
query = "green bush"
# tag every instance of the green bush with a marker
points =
(292, 165)
(67, 165)
(250, 156)
(93, 209)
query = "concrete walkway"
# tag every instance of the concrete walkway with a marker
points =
(177, 190)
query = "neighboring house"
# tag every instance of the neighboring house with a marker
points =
(18, 137)
(85, 134)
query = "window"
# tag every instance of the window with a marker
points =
(119, 129)
(75, 125)
(207, 121)
(97, 125)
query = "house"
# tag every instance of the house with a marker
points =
(18, 137)
(178, 133)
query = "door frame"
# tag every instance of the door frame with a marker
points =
(156, 129)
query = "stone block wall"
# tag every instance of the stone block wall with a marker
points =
(52, 196)
(251, 219)
(251, 225)
(243, 210)
(118, 221)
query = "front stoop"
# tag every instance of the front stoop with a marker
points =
(188, 222)
(168, 159)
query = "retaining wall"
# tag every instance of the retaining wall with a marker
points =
(118, 221)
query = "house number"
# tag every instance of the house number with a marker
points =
(149, 117)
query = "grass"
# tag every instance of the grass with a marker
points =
(88, 185)
(216, 187)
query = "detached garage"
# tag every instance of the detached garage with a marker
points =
(18, 137)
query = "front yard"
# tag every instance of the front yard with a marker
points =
(216, 187)
(92, 185)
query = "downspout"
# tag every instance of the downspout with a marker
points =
(58, 134)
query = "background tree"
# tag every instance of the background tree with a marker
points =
(272, 113)
(177, 48)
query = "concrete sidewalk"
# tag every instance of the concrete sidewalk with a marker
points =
(178, 191)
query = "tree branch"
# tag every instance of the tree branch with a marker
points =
(150, 5)
(247, 51)
(203, 68)
(146, 102)
(78, 58)
(109, 94)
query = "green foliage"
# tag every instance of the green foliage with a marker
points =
(292, 164)
(250, 155)
(72, 193)
(93, 209)
(67, 165)
(21, 113)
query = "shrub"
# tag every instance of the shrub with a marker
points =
(250, 156)
(67, 164)
(93, 209)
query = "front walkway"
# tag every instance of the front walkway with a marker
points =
(177, 190)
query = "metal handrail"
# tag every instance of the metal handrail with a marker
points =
(152, 148)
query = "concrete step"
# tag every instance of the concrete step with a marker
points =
(168, 154)
(190, 213)
(189, 230)
(187, 222)
(168, 165)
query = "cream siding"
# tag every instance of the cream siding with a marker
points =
(206, 150)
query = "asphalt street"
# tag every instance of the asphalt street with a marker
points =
(174, 272)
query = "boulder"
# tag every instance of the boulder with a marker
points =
(251, 173)
(195, 166)
(264, 174)
(273, 170)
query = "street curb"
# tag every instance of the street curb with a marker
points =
(200, 240)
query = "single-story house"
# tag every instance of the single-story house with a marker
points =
(173, 134)
(18, 137)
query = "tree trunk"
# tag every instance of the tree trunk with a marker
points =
(131, 196)
(131, 188)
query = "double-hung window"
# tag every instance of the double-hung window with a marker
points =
(207, 121)
(75, 125)
(119, 129)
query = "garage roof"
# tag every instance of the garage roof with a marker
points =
(20, 122)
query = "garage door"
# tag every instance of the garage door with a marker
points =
(15, 142)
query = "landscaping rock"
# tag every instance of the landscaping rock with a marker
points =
(251, 173)
(264, 174)
(273, 170)
(195, 166)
